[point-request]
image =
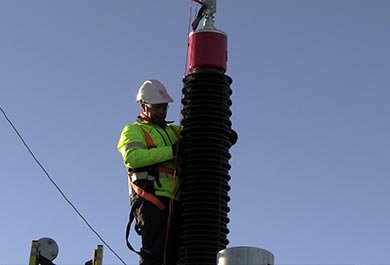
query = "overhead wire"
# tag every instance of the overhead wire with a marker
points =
(58, 188)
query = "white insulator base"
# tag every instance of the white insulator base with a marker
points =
(245, 256)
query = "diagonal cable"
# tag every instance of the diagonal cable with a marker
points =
(58, 188)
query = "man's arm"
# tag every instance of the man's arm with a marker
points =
(135, 153)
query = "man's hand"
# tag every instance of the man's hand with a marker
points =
(175, 148)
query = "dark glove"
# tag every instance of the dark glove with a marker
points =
(175, 148)
(233, 137)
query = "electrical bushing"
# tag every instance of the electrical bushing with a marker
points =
(206, 139)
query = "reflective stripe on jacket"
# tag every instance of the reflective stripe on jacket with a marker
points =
(136, 154)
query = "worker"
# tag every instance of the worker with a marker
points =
(149, 148)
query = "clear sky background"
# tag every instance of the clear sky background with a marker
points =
(311, 92)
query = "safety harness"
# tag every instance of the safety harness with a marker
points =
(141, 192)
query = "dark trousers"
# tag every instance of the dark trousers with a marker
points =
(152, 224)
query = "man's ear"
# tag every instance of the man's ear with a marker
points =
(143, 107)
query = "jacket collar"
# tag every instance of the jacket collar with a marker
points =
(143, 117)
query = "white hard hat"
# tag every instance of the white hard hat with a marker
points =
(153, 92)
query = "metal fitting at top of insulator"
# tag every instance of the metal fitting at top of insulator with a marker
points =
(209, 12)
(208, 9)
(207, 47)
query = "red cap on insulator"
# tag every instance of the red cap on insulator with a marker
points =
(207, 48)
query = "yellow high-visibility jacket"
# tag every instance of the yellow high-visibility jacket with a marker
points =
(136, 154)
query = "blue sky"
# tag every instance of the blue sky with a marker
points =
(311, 89)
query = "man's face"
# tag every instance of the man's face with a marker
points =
(156, 112)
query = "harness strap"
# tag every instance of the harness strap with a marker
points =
(131, 218)
(165, 169)
(148, 138)
(147, 196)
(177, 134)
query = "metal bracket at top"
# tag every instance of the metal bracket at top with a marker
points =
(207, 11)
(210, 10)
